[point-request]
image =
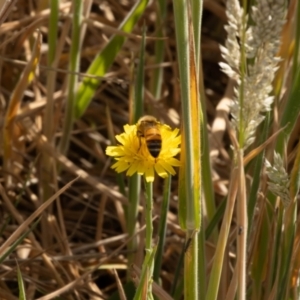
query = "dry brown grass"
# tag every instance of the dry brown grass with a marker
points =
(82, 237)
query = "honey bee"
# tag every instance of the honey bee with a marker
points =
(149, 128)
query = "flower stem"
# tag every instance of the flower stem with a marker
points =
(149, 207)
(163, 227)
(132, 213)
(148, 264)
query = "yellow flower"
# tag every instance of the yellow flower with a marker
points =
(133, 155)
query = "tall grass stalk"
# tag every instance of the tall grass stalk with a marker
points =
(295, 64)
(190, 177)
(47, 163)
(248, 48)
(242, 222)
(73, 77)
(197, 11)
(48, 125)
(156, 89)
(136, 111)
(215, 275)
(156, 84)
(207, 198)
(241, 198)
(290, 113)
(10, 128)
(258, 165)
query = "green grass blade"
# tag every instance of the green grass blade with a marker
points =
(148, 262)
(295, 176)
(197, 10)
(216, 219)
(215, 275)
(295, 64)
(290, 114)
(196, 15)
(181, 25)
(275, 255)
(105, 58)
(202, 266)
(138, 103)
(182, 204)
(290, 221)
(22, 293)
(261, 254)
(18, 241)
(191, 268)
(258, 165)
(190, 116)
(208, 190)
(156, 83)
(178, 282)
(191, 145)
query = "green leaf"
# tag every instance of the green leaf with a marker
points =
(105, 58)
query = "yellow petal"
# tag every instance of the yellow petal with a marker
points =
(114, 150)
(160, 170)
(174, 162)
(134, 167)
(120, 166)
(167, 167)
(149, 175)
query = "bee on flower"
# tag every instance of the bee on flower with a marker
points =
(149, 128)
(145, 148)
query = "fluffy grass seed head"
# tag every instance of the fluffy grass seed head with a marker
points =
(279, 181)
(262, 41)
(133, 155)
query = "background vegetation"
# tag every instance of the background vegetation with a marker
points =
(71, 228)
